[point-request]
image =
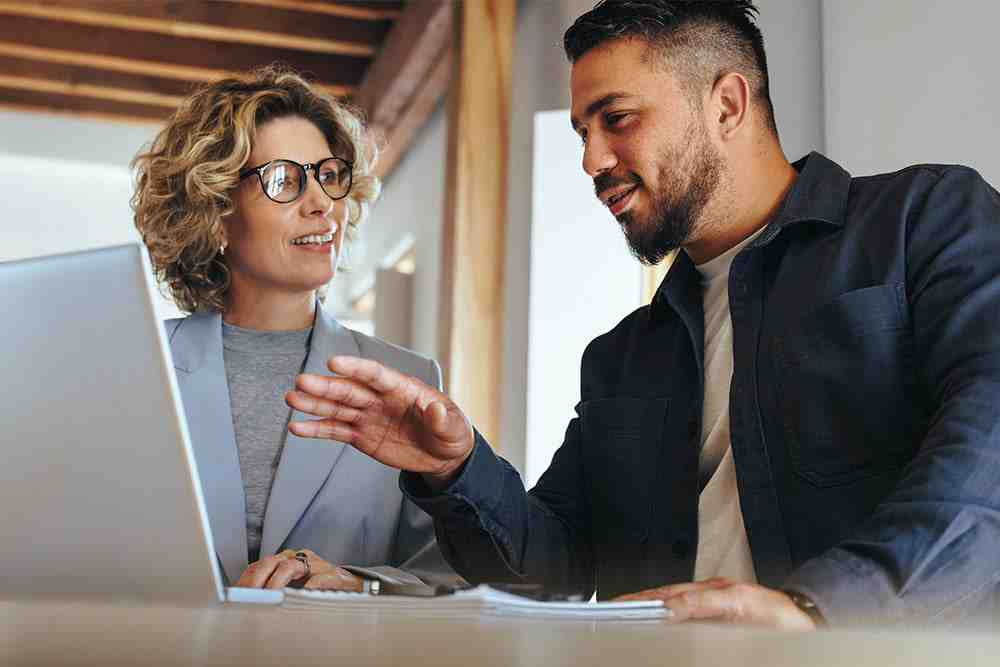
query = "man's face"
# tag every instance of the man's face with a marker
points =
(645, 145)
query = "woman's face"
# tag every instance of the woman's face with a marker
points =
(267, 249)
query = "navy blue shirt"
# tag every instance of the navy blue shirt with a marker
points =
(864, 416)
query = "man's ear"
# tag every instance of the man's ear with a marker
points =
(731, 104)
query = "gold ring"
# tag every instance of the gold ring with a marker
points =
(303, 558)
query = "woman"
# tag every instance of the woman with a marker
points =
(245, 200)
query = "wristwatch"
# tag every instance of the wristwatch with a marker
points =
(807, 606)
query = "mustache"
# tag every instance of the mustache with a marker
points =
(603, 182)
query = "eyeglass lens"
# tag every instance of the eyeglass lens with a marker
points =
(284, 180)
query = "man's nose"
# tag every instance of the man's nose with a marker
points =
(598, 157)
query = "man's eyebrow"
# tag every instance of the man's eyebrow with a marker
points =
(596, 106)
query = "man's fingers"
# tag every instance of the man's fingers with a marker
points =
(368, 372)
(436, 418)
(320, 407)
(337, 389)
(709, 604)
(667, 592)
(324, 429)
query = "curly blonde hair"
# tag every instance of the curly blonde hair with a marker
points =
(186, 178)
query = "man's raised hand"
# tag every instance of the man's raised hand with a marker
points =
(394, 418)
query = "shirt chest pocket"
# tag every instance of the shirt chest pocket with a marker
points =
(844, 381)
(621, 439)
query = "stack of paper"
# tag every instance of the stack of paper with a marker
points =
(480, 600)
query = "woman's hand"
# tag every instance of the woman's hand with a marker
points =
(284, 569)
(325, 576)
(394, 418)
(274, 572)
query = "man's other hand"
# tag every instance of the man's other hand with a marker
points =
(726, 601)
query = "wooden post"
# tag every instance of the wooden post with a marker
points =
(473, 241)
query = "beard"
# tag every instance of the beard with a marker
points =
(678, 203)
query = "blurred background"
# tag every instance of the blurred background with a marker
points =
(487, 250)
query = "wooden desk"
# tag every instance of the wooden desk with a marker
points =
(39, 633)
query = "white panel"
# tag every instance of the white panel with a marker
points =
(583, 282)
(52, 206)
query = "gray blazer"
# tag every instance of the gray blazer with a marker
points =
(326, 496)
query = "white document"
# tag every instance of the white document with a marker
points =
(480, 600)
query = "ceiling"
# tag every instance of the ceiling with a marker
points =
(134, 60)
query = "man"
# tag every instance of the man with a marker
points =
(801, 428)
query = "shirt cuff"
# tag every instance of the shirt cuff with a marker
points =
(477, 485)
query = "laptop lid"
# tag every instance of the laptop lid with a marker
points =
(100, 493)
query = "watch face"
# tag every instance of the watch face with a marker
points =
(807, 606)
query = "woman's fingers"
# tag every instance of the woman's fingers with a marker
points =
(259, 572)
(286, 572)
(337, 579)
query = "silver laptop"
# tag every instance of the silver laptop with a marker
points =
(98, 485)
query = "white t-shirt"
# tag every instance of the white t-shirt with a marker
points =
(723, 550)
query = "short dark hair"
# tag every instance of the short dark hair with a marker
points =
(701, 38)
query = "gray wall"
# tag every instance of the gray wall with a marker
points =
(793, 38)
(910, 81)
(409, 211)
(74, 139)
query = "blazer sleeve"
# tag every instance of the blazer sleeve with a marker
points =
(928, 554)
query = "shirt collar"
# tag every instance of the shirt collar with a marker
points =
(819, 195)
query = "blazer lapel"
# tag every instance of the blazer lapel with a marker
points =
(306, 463)
(196, 346)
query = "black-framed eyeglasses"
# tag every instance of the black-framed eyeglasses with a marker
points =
(284, 181)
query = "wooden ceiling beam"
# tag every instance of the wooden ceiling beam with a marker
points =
(408, 78)
(167, 52)
(73, 80)
(415, 116)
(412, 49)
(169, 102)
(80, 107)
(216, 21)
(106, 66)
(382, 10)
